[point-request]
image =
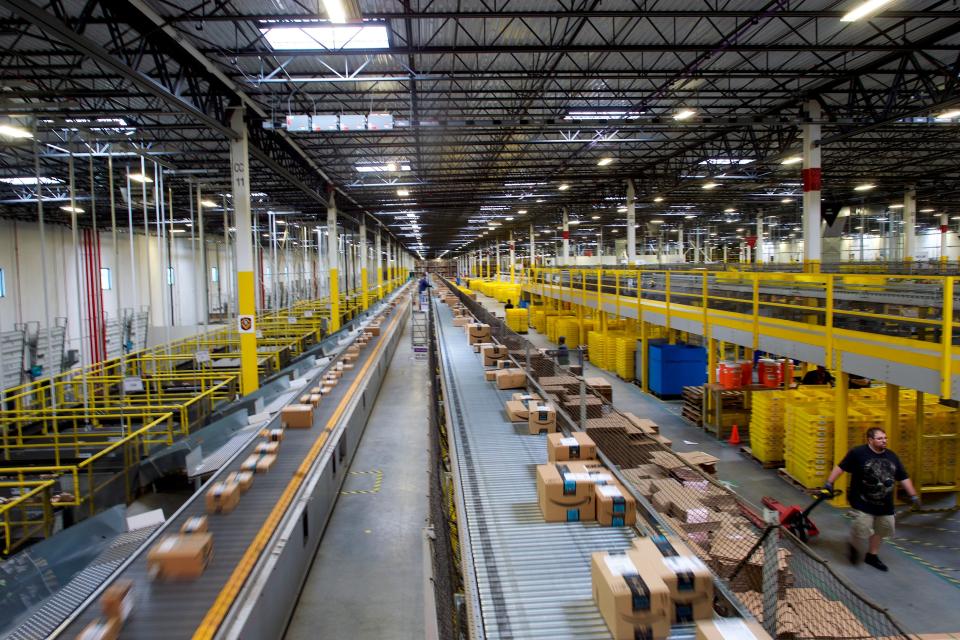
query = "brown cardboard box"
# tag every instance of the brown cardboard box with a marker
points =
(222, 497)
(258, 463)
(270, 448)
(576, 446)
(615, 506)
(730, 629)
(688, 578)
(525, 396)
(461, 321)
(565, 491)
(517, 411)
(315, 399)
(101, 629)
(195, 524)
(348, 366)
(478, 347)
(705, 461)
(542, 419)
(645, 425)
(511, 379)
(478, 332)
(117, 600)
(633, 601)
(314, 390)
(601, 386)
(305, 398)
(490, 375)
(180, 557)
(594, 405)
(327, 389)
(374, 329)
(243, 479)
(297, 416)
(493, 354)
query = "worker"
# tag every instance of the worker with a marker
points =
(509, 305)
(857, 382)
(874, 471)
(819, 376)
(422, 286)
(563, 352)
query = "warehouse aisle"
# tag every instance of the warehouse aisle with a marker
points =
(913, 568)
(367, 577)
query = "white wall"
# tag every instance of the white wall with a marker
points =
(874, 248)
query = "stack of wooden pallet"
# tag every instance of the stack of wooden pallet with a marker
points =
(693, 405)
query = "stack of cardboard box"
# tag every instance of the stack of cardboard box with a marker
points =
(632, 597)
(566, 491)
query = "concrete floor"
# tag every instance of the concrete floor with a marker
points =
(923, 557)
(367, 577)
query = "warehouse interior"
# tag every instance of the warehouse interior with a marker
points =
(517, 319)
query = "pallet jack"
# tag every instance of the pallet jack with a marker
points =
(792, 518)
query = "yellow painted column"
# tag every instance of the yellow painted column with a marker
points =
(333, 255)
(378, 249)
(946, 339)
(513, 278)
(644, 352)
(840, 425)
(246, 292)
(364, 288)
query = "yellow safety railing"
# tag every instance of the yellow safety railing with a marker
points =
(28, 515)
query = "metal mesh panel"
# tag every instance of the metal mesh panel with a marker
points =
(678, 495)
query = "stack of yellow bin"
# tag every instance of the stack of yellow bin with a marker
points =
(625, 356)
(809, 442)
(596, 349)
(568, 327)
(517, 320)
(766, 425)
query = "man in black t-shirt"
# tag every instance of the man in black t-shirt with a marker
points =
(874, 473)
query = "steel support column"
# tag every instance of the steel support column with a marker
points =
(812, 181)
(333, 251)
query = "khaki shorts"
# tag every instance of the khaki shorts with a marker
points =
(866, 525)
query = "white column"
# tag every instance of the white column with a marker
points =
(759, 247)
(533, 246)
(377, 252)
(811, 175)
(910, 224)
(680, 244)
(496, 271)
(944, 233)
(333, 261)
(513, 264)
(566, 237)
(631, 224)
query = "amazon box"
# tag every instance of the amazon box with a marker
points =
(374, 328)
(494, 353)
(480, 346)
(461, 321)
(180, 557)
(258, 463)
(690, 580)
(565, 491)
(118, 600)
(243, 479)
(314, 399)
(542, 419)
(478, 332)
(511, 379)
(730, 629)
(615, 506)
(576, 446)
(517, 411)
(270, 448)
(633, 600)
(101, 629)
(222, 497)
(195, 524)
(297, 416)
(490, 375)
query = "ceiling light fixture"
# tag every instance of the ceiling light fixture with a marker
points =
(729, 210)
(14, 132)
(864, 187)
(658, 199)
(684, 114)
(949, 115)
(711, 185)
(865, 9)
(927, 210)
(139, 177)
(208, 203)
(70, 209)
(658, 221)
(792, 160)
(403, 193)
(573, 223)
(602, 162)
(895, 206)
(521, 212)
(787, 201)
(594, 217)
(563, 187)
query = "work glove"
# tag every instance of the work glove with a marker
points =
(828, 486)
(914, 501)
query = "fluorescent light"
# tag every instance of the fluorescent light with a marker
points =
(787, 201)
(866, 8)
(711, 185)
(403, 193)
(658, 199)
(70, 209)
(508, 218)
(336, 12)
(594, 217)
(729, 210)
(684, 114)
(14, 132)
(573, 223)
(656, 221)
(895, 206)
(178, 230)
(792, 160)
(689, 217)
(927, 210)
(726, 161)
(521, 212)
(602, 162)
(30, 181)
(621, 210)
(327, 37)
(208, 203)
(563, 187)
(864, 187)
(139, 177)
(602, 115)
(949, 115)
(382, 168)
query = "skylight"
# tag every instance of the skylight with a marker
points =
(327, 37)
(30, 181)
(726, 161)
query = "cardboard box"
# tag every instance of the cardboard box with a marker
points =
(594, 406)
(270, 448)
(258, 463)
(542, 419)
(511, 379)
(490, 375)
(480, 346)
(601, 386)
(101, 629)
(687, 577)
(314, 390)
(646, 425)
(117, 600)
(373, 329)
(730, 629)
(243, 479)
(634, 602)
(305, 398)
(222, 497)
(615, 506)
(477, 332)
(327, 389)
(348, 366)
(565, 491)
(493, 354)
(180, 557)
(461, 321)
(576, 446)
(195, 524)
(525, 396)
(297, 416)
(517, 411)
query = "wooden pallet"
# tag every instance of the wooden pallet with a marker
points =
(773, 464)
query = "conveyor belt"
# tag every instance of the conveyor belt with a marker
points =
(167, 610)
(526, 578)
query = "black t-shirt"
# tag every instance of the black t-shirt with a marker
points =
(874, 477)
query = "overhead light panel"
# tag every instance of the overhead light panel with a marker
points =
(864, 187)
(949, 115)
(208, 203)
(927, 210)
(563, 187)
(602, 162)
(11, 131)
(729, 210)
(656, 221)
(602, 115)
(403, 193)
(594, 217)
(573, 223)
(521, 212)
(711, 185)
(684, 114)
(792, 160)
(70, 209)
(895, 206)
(139, 177)
(658, 199)
(30, 181)
(864, 9)
(327, 37)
